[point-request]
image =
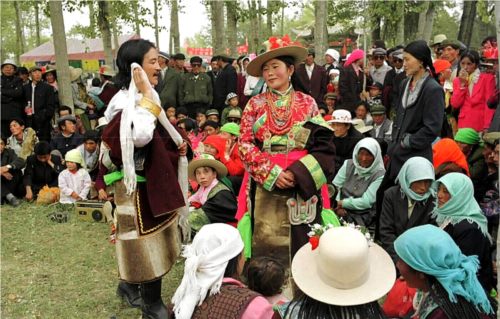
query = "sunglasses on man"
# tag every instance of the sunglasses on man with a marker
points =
(379, 57)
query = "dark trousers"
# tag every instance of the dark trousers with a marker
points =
(387, 183)
(192, 108)
(14, 186)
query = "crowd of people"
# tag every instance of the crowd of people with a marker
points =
(256, 158)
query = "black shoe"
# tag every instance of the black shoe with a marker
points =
(14, 201)
(157, 310)
(130, 294)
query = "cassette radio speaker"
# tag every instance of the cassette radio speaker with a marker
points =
(94, 211)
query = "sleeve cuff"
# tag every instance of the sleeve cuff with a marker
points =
(315, 170)
(272, 177)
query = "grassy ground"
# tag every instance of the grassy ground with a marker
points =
(51, 270)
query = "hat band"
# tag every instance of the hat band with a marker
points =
(343, 284)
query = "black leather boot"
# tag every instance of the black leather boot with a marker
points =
(130, 294)
(153, 306)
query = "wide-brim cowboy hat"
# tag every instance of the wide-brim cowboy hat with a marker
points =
(74, 73)
(254, 68)
(374, 284)
(49, 68)
(206, 160)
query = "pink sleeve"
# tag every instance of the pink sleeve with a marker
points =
(459, 93)
(489, 91)
(259, 308)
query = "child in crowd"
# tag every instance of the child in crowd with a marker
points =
(94, 92)
(374, 95)
(170, 111)
(74, 181)
(212, 115)
(234, 116)
(232, 104)
(330, 99)
(181, 113)
(382, 126)
(333, 84)
(213, 202)
(210, 128)
(266, 276)
(363, 114)
(201, 118)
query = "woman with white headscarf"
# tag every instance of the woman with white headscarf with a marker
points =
(211, 285)
(357, 183)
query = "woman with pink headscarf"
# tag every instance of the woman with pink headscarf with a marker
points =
(351, 81)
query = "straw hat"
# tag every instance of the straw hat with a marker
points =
(209, 161)
(359, 125)
(277, 47)
(344, 270)
(74, 73)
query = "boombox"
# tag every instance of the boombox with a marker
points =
(94, 211)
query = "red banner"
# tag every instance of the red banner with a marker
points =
(241, 49)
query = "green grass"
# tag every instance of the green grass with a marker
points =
(51, 270)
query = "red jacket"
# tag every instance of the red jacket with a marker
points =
(474, 112)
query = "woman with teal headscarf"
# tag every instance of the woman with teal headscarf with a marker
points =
(408, 204)
(357, 183)
(458, 213)
(431, 261)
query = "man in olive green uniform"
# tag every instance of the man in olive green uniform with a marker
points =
(195, 89)
(168, 84)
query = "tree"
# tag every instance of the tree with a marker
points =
(61, 50)
(174, 26)
(400, 33)
(467, 22)
(232, 21)
(155, 18)
(320, 30)
(105, 29)
(217, 21)
(19, 31)
(92, 24)
(137, 22)
(37, 24)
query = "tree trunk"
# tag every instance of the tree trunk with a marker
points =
(174, 26)
(114, 32)
(400, 25)
(232, 21)
(467, 22)
(320, 30)
(37, 24)
(155, 17)
(271, 5)
(429, 22)
(422, 20)
(217, 27)
(92, 16)
(104, 27)
(61, 50)
(376, 32)
(137, 22)
(19, 31)
(283, 17)
(254, 42)
(259, 23)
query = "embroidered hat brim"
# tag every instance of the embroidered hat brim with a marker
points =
(254, 68)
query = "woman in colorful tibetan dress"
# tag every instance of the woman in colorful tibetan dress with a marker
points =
(151, 155)
(287, 149)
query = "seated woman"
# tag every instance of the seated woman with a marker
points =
(341, 278)
(211, 282)
(459, 214)
(357, 183)
(22, 140)
(346, 136)
(408, 204)
(430, 261)
(213, 202)
(11, 175)
(42, 169)
(447, 158)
